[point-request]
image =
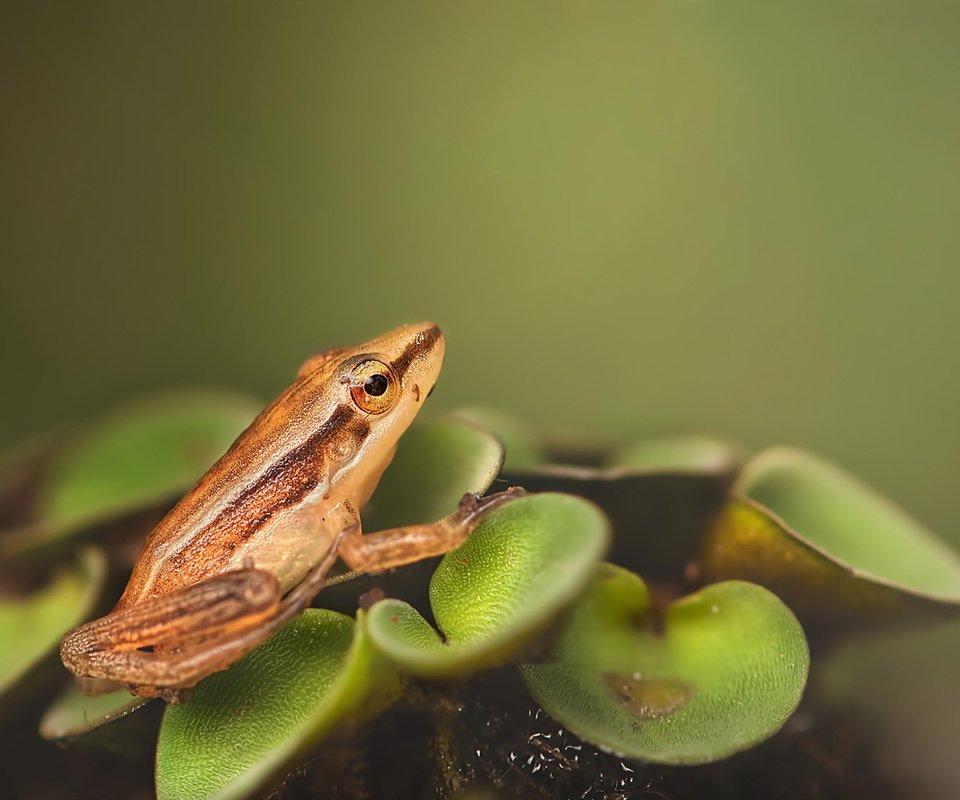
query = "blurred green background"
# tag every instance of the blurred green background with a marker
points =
(629, 218)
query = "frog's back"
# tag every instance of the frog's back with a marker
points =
(271, 466)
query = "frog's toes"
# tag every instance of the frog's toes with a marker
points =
(472, 507)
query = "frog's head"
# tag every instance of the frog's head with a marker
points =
(395, 372)
(378, 388)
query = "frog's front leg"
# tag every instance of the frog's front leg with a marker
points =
(163, 645)
(395, 547)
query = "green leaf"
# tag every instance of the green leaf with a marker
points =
(726, 672)
(31, 627)
(835, 550)
(74, 713)
(851, 521)
(435, 465)
(243, 727)
(522, 450)
(525, 562)
(697, 454)
(141, 454)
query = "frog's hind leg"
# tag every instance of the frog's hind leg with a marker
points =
(163, 645)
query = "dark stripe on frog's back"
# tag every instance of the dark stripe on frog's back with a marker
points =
(261, 443)
(416, 349)
(304, 462)
(286, 482)
(258, 445)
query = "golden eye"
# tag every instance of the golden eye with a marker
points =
(373, 386)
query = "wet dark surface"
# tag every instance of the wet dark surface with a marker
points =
(113, 762)
(488, 740)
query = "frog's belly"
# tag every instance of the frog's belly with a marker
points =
(289, 545)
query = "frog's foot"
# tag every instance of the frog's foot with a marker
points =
(165, 693)
(472, 507)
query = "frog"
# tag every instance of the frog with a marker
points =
(251, 544)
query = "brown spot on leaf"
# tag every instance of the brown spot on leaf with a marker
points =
(647, 698)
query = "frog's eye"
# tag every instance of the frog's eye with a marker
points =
(373, 386)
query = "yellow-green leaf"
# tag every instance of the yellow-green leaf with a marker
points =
(723, 670)
(524, 563)
(241, 728)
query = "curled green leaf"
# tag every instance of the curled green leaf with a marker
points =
(834, 549)
(682, 454)
(525, 562)
(521, 447)
(74, 713)
(31, 626)
(726, 671)
(139, 455)
(241, 728)
(143, 452)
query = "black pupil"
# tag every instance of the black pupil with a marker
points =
(376, 385)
